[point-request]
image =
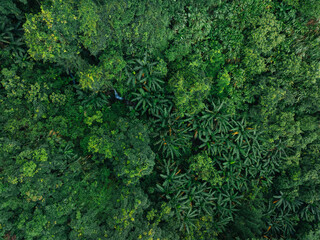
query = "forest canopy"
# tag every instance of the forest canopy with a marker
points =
(160, 119)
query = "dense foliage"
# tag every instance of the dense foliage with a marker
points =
(160, 119)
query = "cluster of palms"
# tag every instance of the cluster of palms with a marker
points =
(243, 159)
